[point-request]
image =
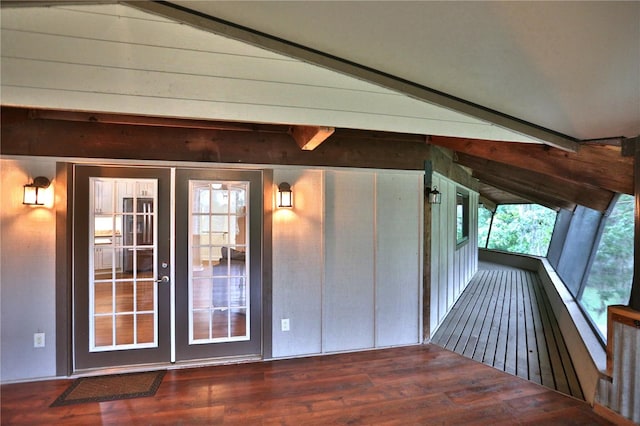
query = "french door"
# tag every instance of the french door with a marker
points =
(167, 265)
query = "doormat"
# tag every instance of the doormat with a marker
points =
(111, 388)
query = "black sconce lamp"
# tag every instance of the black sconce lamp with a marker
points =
(285, 195)
(32, 192)
(433, 195)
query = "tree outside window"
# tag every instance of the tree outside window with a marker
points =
(611, 274)
(521, 228)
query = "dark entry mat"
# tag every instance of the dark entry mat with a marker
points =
(110, 388)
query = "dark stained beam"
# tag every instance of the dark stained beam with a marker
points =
(524, 191)
(309, 137)
(596, 164)
(629, 146)
(63, 138)
(499, 196)
(539, 185)
(488, 204)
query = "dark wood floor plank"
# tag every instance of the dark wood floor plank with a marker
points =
(444, 333)
(522, 350)
(503, 333)
(492, 341)
(484, 302)
(487, 319)
(551, 340)
(533, 350)
(466, 334)
(540, 358)
(422, 384)
(511, 361)
(459, 315)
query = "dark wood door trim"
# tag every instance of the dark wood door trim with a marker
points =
(64, 235)
(254, 346)
(82, 358)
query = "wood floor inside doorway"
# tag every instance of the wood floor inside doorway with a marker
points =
(416, 385)
(504, 319)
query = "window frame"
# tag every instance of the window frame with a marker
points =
(587, 272)
(462, 199)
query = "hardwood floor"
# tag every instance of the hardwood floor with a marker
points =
(415, 385)
(504, 319)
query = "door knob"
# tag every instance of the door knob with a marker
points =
(164, 279)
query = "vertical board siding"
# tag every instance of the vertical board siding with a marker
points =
(28, 301)
(347, 259)
(297, 241)
(452, 267)
(398, 210)
(348, 321)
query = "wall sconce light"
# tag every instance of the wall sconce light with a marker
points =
(285, 195)
(33, 192)
(433, 195)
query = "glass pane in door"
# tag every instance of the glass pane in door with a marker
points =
(218, 277)
(123, 306)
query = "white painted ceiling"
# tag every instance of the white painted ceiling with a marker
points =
(570, 67)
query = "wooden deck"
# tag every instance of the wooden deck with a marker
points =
(503, 319)
(414, 385)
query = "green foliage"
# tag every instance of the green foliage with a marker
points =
(611, 274)
(484, 220)
(521, 228)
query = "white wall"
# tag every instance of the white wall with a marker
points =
(347, 261)
(451, 267)
(114, 58)
(27, 274)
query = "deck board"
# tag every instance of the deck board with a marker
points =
(504, 319)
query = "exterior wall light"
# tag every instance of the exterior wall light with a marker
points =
(433, 195)
(33, 192)
(285, 195)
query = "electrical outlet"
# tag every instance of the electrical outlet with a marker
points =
(284, 324)
(38, 340)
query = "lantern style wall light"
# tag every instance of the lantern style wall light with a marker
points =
(433, 195)
(285, 195)
(430, 192)
(33, 192)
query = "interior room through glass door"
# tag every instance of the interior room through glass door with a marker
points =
(219, 224)
(122, 266)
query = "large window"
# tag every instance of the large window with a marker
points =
(611, 274)
(517, 228)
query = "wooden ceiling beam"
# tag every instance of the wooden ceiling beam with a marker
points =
(309, 137)
(525, 191)
(596, 164)
(579, 193)
(488, 204)
(89, 139)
